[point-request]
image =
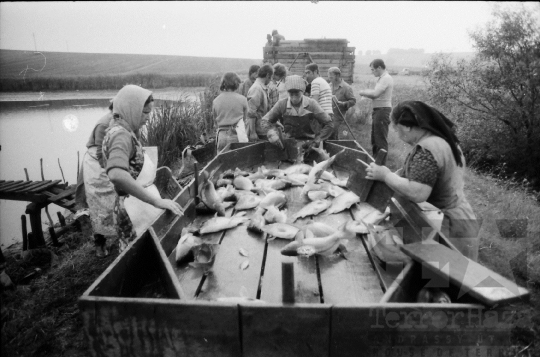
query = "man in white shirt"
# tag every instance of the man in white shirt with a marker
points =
(382, 105)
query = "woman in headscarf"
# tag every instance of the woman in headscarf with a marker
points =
(126, 161)
(229, 110)
(433, 171)
(94, 189)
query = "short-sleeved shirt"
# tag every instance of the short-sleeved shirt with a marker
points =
(386, 83)
(121, 149)
(228, 108)
(320, 87)
(97, 135)
(423, 168)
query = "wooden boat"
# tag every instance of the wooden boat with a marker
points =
(145, 304)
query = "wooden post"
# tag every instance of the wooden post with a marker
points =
(54, 239)
(24, 233)
(34, 210)
(26, 173)
(77, 166)
(61, 219)
(287, 282)
(196, 176)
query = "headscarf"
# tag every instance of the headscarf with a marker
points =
(128, 105)
(428, 118)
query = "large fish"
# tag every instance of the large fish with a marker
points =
(257, 175)
(242, 183)
(247, 202)
(185, 245)
(216, 224)
(270, 173)
(343, 202)
(209, 195)
(317, 171)
(256, 222)
(317, 195)
(223, 182)
(238, 172)
(274, 215)
(298, 169)
(276, 198)
(272, 184)
(226, 193)
(296, 179)
(308, 244)
(323, 154)
(312, 209)
(281, 230)
(385, 246)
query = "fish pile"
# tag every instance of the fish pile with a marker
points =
(262, 192)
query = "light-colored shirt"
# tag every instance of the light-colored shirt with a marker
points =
(243, 88)
(320, 87)
(257, 98)
(228, 108)
(386, 83)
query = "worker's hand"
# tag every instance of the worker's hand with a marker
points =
(280, 126)
(170, 205)
(377, 172)
(308, 145)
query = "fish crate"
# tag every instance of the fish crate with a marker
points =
(360, 302)
(327, 53)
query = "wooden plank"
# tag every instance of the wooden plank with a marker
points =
(307, 48)
(18, 186)
(14, 196)
(44, 186)
(473, 279)
(32, 186)
(305, 269)
(62, 195)
(10, 184)
(159, 327)
(415, 329)
(297, 330)
(350, 280)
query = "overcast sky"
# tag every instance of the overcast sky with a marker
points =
(236, 29)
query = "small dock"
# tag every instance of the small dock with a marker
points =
(40, 194)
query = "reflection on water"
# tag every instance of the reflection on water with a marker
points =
(29, 134)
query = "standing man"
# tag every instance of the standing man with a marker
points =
(277, 37)
(280, 73)
(245, 85)
(296, 115)
(258, 103)
(382, 105)
(320, 89)
(342, 99)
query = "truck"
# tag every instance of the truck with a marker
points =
(296, 54)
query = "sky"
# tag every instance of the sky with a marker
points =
(236, 29)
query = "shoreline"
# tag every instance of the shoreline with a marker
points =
(170, 93)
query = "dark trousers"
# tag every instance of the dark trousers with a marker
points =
(379, 129)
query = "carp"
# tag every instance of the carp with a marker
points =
(242, 183)
(307, 244)
(296, 179)
(227, 193)
(317, 171)
(185, 244)
(317, 195)
(340, 183)
(209, 195)
(298, 169)
(247, 202)
(229, 174)
(276, 198)
(270, 173)
(343, 202)
(238, 172)
(256, 222)
(281, 230)
(216, 224)
(323, 154)
(312, 209)
(257, 175)
(223, 182)
(274, 215)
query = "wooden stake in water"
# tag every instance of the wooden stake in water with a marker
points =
(26, 173)
(62, 171)
(51, 223)
(77, 166)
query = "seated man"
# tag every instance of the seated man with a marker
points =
(297, 114)
(277, 37)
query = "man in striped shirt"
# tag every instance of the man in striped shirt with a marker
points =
(320, 89)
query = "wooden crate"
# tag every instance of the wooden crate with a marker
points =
(145, 304)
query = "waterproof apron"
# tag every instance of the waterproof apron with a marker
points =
(142, 214)
(299, 125)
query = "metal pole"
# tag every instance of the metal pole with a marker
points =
(343, 116)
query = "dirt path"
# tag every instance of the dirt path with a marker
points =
(169, 93)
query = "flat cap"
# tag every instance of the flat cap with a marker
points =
(295, 82)
(334, 70)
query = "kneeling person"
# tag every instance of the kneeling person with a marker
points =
(297, 113)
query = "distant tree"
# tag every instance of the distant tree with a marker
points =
(496, 95)
(359, 52)
(368, 53)
(376, 52)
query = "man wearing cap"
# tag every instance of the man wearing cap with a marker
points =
(258, 103)
(382, 105)
(297, 113)
(342, 99)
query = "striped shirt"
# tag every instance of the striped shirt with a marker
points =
(320, 87)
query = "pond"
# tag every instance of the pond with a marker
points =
(52, 131)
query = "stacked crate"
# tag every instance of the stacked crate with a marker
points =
(295, 55)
